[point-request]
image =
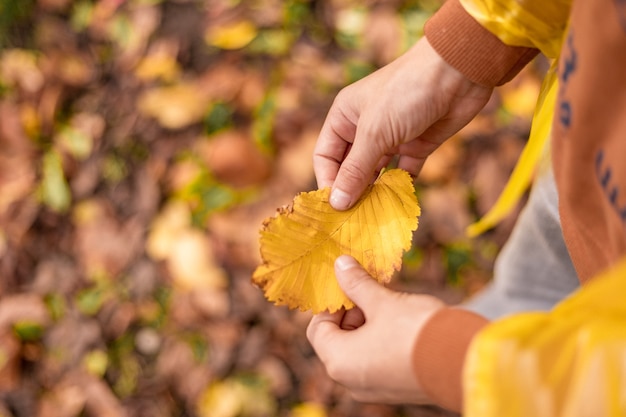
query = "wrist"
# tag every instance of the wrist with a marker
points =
(439, 354)
(452, 84)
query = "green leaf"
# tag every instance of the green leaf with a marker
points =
(90, 300)
(54, 189)
(355, 70)
(114, 168)
(12, 12)
(56, 305)
(273, 42)
(207, 196)
(76, 142)
(457, 257)
(246, 395)
(263, 125)
(219, 117)
(82, 15)
(96, 362)
(28, 331)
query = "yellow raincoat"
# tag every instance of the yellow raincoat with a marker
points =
(569, 362)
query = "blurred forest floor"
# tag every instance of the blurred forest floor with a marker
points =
(142, 143)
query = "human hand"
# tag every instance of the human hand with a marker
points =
(407, 108)
(368, 349)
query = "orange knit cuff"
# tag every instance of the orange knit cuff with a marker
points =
(439, 354)
(474, 51)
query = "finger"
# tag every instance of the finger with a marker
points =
(357, 284)
(336, 136)
(384, 163)
(322, 328)
(327, 157)
(355, 174)
(353, 319)
(413, 154)
(412, 165)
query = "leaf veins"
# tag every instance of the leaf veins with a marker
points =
(300, 244)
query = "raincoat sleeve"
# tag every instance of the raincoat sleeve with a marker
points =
(566, 362)
(490, 41)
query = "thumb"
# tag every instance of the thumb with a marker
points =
(357, 283)
(355, 174)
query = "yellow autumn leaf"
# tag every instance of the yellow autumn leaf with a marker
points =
(521, 99)
(231, 36)
(237, 396)
(300, 244)
(158, 66)
(175, 106)
(20, 67)
(308, 409)
(187, 252)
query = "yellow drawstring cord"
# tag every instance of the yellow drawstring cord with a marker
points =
(525, 168)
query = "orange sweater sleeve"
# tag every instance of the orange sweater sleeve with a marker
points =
(439, 354)
(474, 51)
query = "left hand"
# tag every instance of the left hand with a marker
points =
(407, 108)
(369, 348)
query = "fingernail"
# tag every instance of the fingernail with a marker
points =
(339, 199)
(345, 262)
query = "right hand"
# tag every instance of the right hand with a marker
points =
(407, 108)
(369, 349)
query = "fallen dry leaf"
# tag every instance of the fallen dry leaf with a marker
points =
(174, 107)
(17, 171)
(103, 243)
(309, 409)
(520, 98)
(187, 251)
(10, 369)
(234, 35)
(29, 308)
(173, 220)
(191, 262)
(64, 400)
(19, 67)
(234, 158)
(300, 245)
(159, 65)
